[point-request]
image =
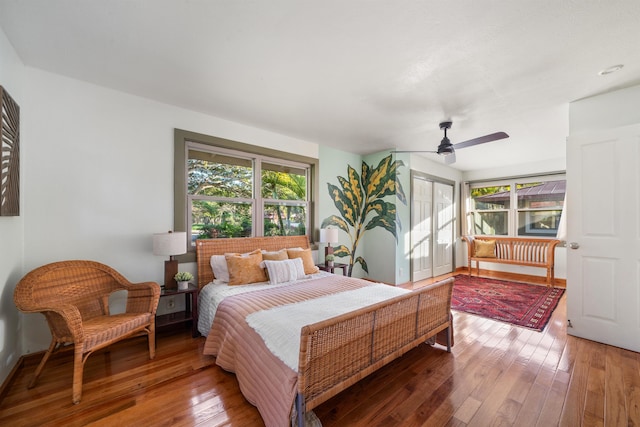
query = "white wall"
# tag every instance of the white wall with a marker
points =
(99, 176)
(607, 111)
(11, 228)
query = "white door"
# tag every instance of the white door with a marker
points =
(443, 229)
(603, 235)
(421, 225)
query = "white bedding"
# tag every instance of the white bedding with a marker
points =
(212, 294)
(280, 326)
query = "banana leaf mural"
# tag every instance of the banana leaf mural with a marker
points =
(360, 201)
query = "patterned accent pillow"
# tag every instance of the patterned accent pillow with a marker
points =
(484, 248)
(284, 271)
(307, 259)
(245, 269)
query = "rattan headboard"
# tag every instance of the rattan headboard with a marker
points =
(205, 248)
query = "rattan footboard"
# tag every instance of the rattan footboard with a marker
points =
(338, 352)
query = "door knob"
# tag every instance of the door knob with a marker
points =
(574, 245)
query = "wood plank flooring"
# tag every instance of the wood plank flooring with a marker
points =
(497, 374)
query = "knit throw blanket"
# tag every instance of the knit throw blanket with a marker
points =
(280, 327)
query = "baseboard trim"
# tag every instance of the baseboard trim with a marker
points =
(9, 380)
(30, 359)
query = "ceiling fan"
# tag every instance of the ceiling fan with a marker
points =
(447, 149)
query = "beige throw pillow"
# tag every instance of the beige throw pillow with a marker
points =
(484, 248)
(307, 259)
(280, 255)
(245, 269)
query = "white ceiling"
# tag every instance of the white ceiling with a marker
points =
(362, 76)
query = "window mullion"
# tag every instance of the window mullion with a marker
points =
(513, 212)
(258, 207)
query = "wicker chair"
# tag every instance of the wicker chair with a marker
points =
(74, 298)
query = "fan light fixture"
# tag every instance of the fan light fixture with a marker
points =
(446, 147)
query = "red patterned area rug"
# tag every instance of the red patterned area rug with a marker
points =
(521, 304)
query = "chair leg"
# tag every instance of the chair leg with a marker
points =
(50, 350)
(78, 367)
(152, 341)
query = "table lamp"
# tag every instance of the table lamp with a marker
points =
(170, 244)
(328, 236)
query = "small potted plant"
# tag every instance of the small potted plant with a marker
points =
(183, 278)
(329, 260)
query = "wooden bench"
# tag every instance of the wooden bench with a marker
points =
(530, 252)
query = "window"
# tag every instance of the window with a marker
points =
(522, 207)
(228, 189)
(219, 193)
(539, 207)
(490, 209)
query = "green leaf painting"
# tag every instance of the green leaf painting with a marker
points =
(361, 205)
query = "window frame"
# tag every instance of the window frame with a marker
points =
(183, 140)
(513, 211)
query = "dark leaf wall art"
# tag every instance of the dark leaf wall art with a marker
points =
(9, 156)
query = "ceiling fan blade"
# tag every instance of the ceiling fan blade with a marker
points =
(413, 151)
(481, 140)
(450, 158)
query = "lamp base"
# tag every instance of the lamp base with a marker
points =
(170, 270)
(327, 251)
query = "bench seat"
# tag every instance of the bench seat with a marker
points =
(530, 252)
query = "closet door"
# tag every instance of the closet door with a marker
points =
(421, 226)
(442, 229)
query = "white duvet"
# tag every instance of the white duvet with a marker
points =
(212, 294)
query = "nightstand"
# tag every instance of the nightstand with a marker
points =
(190, 312)
(335, 266)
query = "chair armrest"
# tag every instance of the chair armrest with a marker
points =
(551, 252)
(469, 240)
(65, 320)
(143, 297)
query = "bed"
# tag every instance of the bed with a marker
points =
(294, 345)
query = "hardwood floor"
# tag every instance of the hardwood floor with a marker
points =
(497, 374)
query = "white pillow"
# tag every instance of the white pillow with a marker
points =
(219, 267)
(284, 271)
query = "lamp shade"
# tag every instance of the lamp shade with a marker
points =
(329, 235)
(171, 243)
